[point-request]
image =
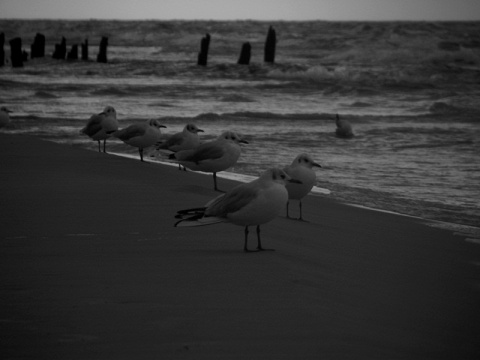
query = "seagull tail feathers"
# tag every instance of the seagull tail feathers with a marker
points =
(195, 217)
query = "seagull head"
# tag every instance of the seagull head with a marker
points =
(193, 128)
(232, 136)
(156, 124)
(110, 111)
(278, 176)
(305, 160)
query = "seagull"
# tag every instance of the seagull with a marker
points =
(185, 140)
(301, 169)
(4, 116)
(344, 128)
(253, 203)
(102, 126)
(141, 135)
(213, 156)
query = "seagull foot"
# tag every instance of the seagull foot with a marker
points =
(258, 250)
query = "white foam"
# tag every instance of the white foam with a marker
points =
(471, 233)
(224, 174)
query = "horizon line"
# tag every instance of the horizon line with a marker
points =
(223, 20)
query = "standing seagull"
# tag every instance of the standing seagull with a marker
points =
(213, 156)
(102, 126)
(185, 140)
(141, 135)
(344, 128)
(4, 116)
(301, 169)
(253, 203)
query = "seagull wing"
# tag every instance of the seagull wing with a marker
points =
(94, 125)
(208, 151)
(174, 140)
(130, 132)
(233, 201)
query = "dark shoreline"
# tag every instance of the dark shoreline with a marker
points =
(92, 267)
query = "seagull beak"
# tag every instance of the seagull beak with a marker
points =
(163, 126)
(294, 181)
(8, 110)
(243, 141)
(316, 164)
(200, 130)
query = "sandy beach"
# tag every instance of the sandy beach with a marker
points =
(92, 268)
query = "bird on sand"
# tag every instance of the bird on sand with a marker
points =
(344, 128)
(184, 140)
(212, 156)
(301, 169)
(141, 135)
(4, 116)
(251, 204)
(101, 126)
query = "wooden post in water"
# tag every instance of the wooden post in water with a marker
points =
(60, 50)
(245, 54)
(203, 54)
(16, 54)
(2, 52)
(73, 53)
(270, 44)
(85, 50)
(37, 49)
(102, 55)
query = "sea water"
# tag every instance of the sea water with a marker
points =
(410, 90)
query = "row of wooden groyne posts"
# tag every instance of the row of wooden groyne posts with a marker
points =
(37, 50)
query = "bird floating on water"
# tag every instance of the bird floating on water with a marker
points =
(251, 204)
(344, 128)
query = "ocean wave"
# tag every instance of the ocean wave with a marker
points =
(433, 145)
(415, 130)
(45, 95)
(444, 108)
(237, 98)
(111, 90)
(273, 116)
(360, 104)
(324, 116)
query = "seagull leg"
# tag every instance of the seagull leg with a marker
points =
(259, 247)
(140, 151)
(104, 145)
(300, 206)
(215, 182)
(245, 248)
(99, 150)
(288, 216)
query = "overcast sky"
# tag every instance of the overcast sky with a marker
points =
(243, 9)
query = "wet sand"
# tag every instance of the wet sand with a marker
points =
(92, 268)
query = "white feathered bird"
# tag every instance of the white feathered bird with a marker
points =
(301, 169)
(251, 204)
